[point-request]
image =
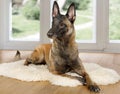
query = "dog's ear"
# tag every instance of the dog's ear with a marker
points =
(55, 10)
(71, 13)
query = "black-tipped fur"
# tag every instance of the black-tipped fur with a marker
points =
(71, 13)
(56, 10)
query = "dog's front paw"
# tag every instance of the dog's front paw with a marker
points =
(94, 88)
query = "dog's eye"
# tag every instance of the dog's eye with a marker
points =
(62, 25)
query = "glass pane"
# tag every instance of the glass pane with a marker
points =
(84, 19)
(114, 20)
(25, 20)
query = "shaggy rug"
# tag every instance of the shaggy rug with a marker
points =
(102, 76)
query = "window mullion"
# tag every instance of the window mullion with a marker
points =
(106, 23)
(45, 6)
(102, 23)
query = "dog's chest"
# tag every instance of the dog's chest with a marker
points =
(63, 60)
(63, 57)
(63, 54)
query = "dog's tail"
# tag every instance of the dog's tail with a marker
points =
(18, 55)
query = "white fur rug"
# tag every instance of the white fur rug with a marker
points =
(100, 75)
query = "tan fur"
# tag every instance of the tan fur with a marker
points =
(39, 54)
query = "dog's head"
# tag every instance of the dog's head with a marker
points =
(62, 25)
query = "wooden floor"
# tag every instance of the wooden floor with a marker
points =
(12, 86)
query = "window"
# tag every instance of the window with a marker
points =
(84, 24)
(114, 23)
(97, 25)
(25, 20)
(20, 32)
(112, 26)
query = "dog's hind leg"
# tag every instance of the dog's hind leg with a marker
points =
(37, 57)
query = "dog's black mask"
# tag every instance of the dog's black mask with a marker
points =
(62, 25)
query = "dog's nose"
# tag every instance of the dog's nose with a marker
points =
(49, 34)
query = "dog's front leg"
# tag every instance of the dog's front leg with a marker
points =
(53, 70)
(79, 69)
(82, 80)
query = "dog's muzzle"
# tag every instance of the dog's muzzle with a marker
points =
(51, 35)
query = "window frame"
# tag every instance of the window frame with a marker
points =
(98, 45)
(101, 15)
(103, 43)
(112, 47)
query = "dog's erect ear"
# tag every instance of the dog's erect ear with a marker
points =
(71, 13)
(55, 10)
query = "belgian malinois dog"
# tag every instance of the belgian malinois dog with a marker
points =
(62, 55)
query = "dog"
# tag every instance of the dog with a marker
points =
(62, 55)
